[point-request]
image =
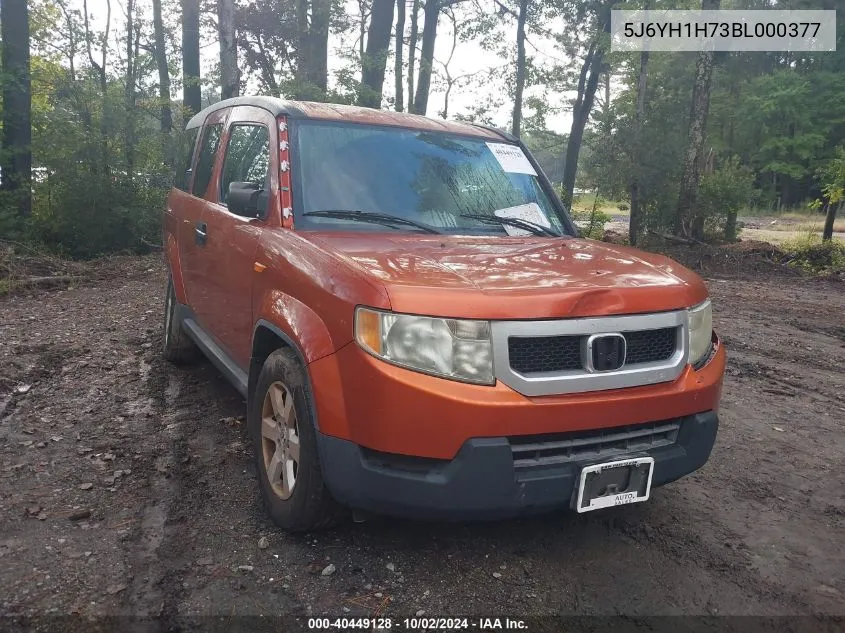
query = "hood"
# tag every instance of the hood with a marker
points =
(514, 278)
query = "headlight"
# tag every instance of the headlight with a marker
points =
(453, 348)
(700, 331)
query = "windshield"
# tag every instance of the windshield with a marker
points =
(456, 184)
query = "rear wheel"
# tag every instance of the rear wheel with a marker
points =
(178, 348)
(281, 425)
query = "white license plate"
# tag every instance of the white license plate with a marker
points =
(614, 483)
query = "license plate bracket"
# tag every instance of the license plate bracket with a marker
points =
(614, 483)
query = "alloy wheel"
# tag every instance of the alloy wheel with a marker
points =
(280, 439)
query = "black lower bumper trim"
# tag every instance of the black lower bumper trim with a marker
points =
(481, 482)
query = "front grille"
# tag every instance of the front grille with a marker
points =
(544, 353)
(536, 354)
(531, 451)
(648, 346)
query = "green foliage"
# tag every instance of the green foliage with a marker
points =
(722, 193)
(617, 154)
(809, 253)
(782, 116)
(100, 166)
(547, 147)
(11, 223)
(86, 202)
(775, 134)
(785, 123)
(591, 221)
(95, 214)
(832, 178)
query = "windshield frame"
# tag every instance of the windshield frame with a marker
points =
(301, 222)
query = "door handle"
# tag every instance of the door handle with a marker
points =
(201, 233)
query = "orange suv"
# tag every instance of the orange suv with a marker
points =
(416, 326)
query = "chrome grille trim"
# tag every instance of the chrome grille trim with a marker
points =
(581, 380)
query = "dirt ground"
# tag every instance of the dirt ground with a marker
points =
(127, 487)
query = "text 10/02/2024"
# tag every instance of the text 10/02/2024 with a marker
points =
(417, 624)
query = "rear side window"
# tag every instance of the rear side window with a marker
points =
(247, 158)
(183, 161)
(205, 160)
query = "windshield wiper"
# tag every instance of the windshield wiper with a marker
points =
(371, 216)
(526, 225)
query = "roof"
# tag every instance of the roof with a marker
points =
(353, 114)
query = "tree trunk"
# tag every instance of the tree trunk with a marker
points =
(412, 53)
(303, 41)
(374, 62)
(397, 60)
(71, 40)
(362, 29)
(163, 70)
(100, 68)
(229, 76)
(829, 219)
(268, 73)
(83, 107)
(587, 85)
(431, 13)
(317, 74)
(516, 127)
(191, 56)
(312, 54)
(129, 91)
(730, 224)
(635, 220)
(16, 157)
(449, 83)
(685, 224)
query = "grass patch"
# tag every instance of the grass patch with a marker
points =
(814, 227)
(799, 212)
(584, 203)
(808, 252)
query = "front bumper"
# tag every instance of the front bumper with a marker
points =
(482, 482)
(394, 410)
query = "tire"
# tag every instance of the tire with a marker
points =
(178, 347)
(281, 427)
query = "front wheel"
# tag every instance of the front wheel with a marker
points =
(178, 348)
(281, 424)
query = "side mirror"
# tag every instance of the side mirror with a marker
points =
(246, 198)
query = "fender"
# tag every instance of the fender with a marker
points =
(328, 420)
(301, 330)
(299, 324)
(174, 263)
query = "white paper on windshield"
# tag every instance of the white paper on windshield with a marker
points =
(530, 212)
(511, 158)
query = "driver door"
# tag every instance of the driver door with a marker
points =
(231, 239)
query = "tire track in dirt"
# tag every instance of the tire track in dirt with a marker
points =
(151, 594)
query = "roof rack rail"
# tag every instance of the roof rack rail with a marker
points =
(504, 134)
